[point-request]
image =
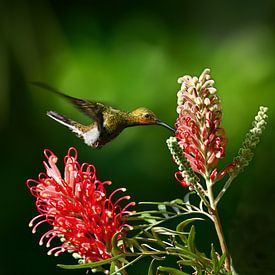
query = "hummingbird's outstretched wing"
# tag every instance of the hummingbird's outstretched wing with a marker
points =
(91, 109)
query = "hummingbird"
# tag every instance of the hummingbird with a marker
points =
(107, 122)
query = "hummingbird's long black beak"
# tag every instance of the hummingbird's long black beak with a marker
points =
(159, 122)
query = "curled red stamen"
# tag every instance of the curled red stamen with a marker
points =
(77, 208)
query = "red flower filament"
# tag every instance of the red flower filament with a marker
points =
(77, 208)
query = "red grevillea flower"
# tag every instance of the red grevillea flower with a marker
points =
(198, 128)
(77, 208)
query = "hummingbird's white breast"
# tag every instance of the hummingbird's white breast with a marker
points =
(91, 136)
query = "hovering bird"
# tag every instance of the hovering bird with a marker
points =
(108, 122)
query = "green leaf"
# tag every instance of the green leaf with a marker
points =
(167, 231)
(151, 219)
(122, 269)
(114, 269)
(185, 252)
(132, 243)
(215, 260)
(181, 226)
(221, 261)
(177, 201)
(115, 249)
(171, 271)
(156, 236)
(91, 265)
(162, 207)
(191, 239)
(151, 268)
(187, 262)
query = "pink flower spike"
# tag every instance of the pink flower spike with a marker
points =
(198, 130)
(78, 209)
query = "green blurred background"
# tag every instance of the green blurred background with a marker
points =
(130, 54)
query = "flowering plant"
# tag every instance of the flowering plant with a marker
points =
(106, 235)
(78, 209)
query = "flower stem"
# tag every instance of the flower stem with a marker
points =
(221, 238)
(226, 186)
(213, 211)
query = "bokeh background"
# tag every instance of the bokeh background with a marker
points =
(130, 54)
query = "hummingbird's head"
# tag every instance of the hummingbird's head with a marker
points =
(144, 116)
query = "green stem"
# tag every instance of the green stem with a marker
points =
(225, 187)
(123, 267)
(213, 211)
(200, 191)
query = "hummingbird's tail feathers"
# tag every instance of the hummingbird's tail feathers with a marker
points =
(71, 124)
(89, 134)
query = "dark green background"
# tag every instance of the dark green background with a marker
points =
(130, 54)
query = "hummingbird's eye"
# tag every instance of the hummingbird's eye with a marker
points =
(147, 116)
